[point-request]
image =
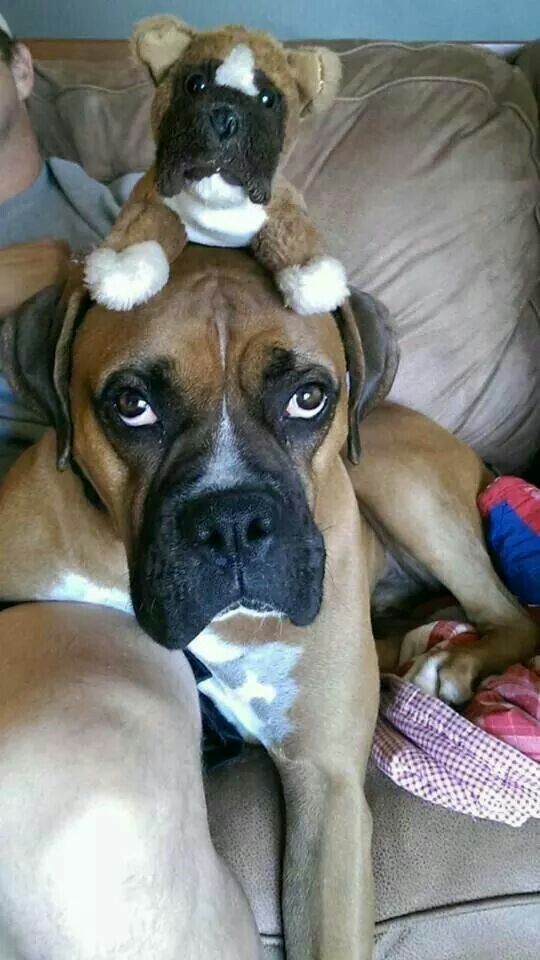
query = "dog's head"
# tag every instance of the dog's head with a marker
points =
(227, 101)
(208, 423)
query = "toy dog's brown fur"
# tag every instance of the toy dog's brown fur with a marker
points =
(216, 177)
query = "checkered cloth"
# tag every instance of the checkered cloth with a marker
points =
(432, 751)
(486, 761)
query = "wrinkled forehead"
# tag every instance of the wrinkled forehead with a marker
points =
(240, 52)
(214, 322)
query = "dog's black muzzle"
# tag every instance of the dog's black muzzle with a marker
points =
(204, 554)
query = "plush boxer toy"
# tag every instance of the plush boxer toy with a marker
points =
(226, 108)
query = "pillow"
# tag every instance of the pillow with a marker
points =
(423, 179)
(528, 60)
(96, 114)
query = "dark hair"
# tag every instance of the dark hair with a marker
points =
(7, 47)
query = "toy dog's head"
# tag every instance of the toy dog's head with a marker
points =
(228, 101)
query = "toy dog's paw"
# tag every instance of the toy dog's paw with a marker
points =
(449, 675)
(318, 287)
(127, 279)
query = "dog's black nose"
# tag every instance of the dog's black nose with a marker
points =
(230, 523)
(224, 121)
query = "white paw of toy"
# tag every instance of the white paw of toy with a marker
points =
(121, 281)
(318, 287)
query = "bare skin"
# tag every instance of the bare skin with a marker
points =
(24, 268)
(20, 161)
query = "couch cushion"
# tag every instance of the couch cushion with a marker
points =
(528, 60)
(469, 883)
(97, 114)
(423, 179)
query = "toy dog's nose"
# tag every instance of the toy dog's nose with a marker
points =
(224, 121)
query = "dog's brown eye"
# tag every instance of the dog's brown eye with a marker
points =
(134, 410)
(268, 98)
(195, 83)
(307, 402)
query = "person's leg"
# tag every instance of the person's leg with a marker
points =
(103, 827)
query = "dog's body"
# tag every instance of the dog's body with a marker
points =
(206, 438)
(227, 107)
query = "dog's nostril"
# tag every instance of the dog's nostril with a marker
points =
(215, 540)
(258, 529)
(224, 122)
(211, 537)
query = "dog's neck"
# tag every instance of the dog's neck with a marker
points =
(216, 213)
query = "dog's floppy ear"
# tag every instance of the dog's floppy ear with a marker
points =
(317, 71)
(35, 353)
(372, 355)
(158, 42)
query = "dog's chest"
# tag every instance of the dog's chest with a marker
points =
(227, 226)
(253, 686)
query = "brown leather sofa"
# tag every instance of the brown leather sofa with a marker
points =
(424, 178)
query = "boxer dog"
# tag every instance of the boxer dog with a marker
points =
(203, 442)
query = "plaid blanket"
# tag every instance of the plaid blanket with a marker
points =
(486, 761)
(439, 755)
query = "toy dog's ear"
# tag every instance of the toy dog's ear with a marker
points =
(158, 42)
(372, 355)
(35, 353)
(317, 72)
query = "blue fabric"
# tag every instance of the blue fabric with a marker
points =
(515, 551)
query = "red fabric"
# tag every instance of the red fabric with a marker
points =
(508, 707)
(521, 496)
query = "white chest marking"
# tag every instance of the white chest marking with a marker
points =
(238, 70)
(252, 685)
(73, 586)
(215, 217)
(253, 689)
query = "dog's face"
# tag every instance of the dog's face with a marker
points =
(227, 101)
(206, 422)
(202, 421)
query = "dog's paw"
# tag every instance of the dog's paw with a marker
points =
(450, 675)
(318, 287)
(121, 281)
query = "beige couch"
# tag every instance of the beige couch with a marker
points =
(424, 178)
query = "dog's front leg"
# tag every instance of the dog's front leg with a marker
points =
(327, 885)
(327, 880)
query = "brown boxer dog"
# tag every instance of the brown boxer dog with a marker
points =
(203, 441)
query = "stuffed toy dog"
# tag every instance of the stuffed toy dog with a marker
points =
(227, 106)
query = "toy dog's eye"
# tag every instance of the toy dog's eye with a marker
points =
(268, 98)
(195, 83)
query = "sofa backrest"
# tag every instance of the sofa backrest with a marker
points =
(423, 177)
